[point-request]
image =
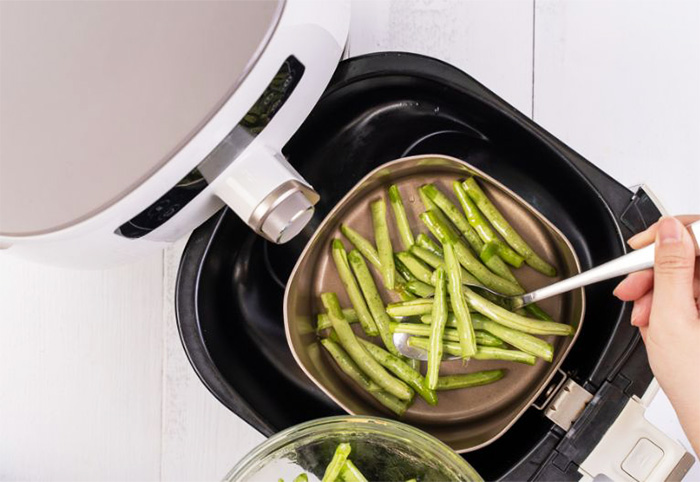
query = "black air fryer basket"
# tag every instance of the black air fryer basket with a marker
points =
(378, 108)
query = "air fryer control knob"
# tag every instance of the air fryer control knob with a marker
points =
(287, 218)
(267, 193)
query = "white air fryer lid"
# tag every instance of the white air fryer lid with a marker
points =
(75, 140)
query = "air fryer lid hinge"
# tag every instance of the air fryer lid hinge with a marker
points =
(567, 404)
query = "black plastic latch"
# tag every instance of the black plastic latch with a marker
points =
(642, 211)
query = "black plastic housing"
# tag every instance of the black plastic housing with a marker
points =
(378, 108)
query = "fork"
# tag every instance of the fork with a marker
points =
(625, 264)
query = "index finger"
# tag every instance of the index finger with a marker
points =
(647, 237)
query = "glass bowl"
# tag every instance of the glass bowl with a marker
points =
(382, 449)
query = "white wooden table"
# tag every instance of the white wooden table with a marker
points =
(94, 382)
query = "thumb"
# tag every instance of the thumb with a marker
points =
(674, 264)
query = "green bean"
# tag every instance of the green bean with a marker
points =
(350, 473)
(381, 237)
(419, 288)
(416, 329)
(449, 334)
(440, 230)
(504, 228)
(467, 259)
(484, 338)
(333, 469)
(413, 363)
(333, 336)
(403, 269)
(417, 307)
(485, 276)
(351, 369)
(467, 339)
(401, 218)
(424, 330)
(454, 215)
(323, 322)
(398, 310)
(403, 292)
(513, 320)
(362, 244)
(522, 341)
(538, 312)
(416, 267)
(489, 250)
(493, 353)
(489, 256)
(438, 213)
(420, 342)
(402, 370)
(425, 245)
(497, 265)
(453, 382)
(432, 277)
(302, 477)
(348, 366)
(482, 352)
(427, 202)
(436, 261)
(425, 242)
(483, 229)
(359, 355)
(427, 256)
(415, 302)
(340, 258)
(439, 314)
(427, 320)
(374, 301)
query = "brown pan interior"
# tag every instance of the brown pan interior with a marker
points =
(465, 419)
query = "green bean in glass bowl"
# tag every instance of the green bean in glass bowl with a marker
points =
(381, 449)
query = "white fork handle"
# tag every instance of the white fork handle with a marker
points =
(629, 263)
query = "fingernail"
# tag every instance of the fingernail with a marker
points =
(670, 231)
(618, 287)
(634, 238)
(635, 314)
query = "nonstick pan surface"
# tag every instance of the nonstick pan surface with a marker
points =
(468, 418)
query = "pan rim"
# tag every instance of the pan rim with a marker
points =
(330, 217)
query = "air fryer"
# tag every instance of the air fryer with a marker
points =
(157, 113)
(382, 107)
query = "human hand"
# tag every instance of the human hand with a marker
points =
(666, 310)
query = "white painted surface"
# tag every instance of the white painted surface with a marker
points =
(80, 371)
(202, 440)
(620, 83)
(95, 384)
(492, 41)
